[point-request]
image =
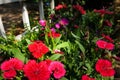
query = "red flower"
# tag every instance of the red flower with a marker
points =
(105, 45)
(80, 9)
(107, 37)
(54, 34)
(102, 11)
(9, 67)
(57, 69)
(36, 71)
(86, 77)
(10, 74)
(109, 46)
(47, 62)
(104, 67)
(38, 49)
(60, 6)
(107, 23)
(101, 44)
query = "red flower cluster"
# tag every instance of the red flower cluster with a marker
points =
(60, 6)
(38, 49)
(80, 9)
(86, 77)
(43, 70)
(54, 34)
(102, 11)
(104, 67)
(105, 45)
(10, 67)
(36, 71)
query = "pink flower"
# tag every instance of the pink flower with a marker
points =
(36, 71)
(10, 67)
(86, 77)
(105, 45)
(38, 49)
(53, 29)
(64, 22)
(42, 23)
(57, 68)
(104, 67)
(80, 9)
(57, 25)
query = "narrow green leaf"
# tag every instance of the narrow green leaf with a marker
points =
(75, 36)
(55, 56)
(3, 47)
(63, 78)
(80, 46)
(17, 54)
(28, 41)
(62, 45)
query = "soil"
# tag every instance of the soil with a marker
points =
(12, 16)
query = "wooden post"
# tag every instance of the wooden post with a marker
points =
(52, 4)
(2, 30)
(25, 17)
(41, 9)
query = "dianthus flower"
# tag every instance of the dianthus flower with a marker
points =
(36, 71)
(58, 51)
(102, 11)
(79, 8)
(57, 69)
(105, 45)
(57, 25)
(10, 67)
(60, 6)
(104, 67)
(86, 77)
(54, 34)
(42, 23)
(108, 38)
(63, 22)
(38, 49)
(107, 23)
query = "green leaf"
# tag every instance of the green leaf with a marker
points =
(28, 41)
(80, 46)
(75, 36)
(63, 78)
(17, 54)
(55, 56)
(3, 47)
(62, 45)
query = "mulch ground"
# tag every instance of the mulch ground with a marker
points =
(12, 16)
